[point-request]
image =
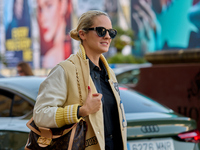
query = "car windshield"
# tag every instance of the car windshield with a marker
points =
(135, 102)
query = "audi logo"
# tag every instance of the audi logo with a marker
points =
(150, 128)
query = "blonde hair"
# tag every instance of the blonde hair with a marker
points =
(85, 21)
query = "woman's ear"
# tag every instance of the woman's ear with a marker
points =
(82, 34)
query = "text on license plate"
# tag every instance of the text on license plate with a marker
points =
(151, 145)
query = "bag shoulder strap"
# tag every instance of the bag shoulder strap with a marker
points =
(65, 63)
(31, 125)
(78, 82)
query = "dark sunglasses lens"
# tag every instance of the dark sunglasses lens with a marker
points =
(101, 31)
(112, 33)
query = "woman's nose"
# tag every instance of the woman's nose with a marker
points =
(107, 35)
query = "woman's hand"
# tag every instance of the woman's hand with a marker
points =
(91, 105)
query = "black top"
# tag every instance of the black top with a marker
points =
(100, 78)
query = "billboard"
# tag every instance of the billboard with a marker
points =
(165, 25)
(109, 6)
(17, 23)
(36, 31)
(54, 21)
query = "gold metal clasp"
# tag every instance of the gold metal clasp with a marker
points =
(44, 140)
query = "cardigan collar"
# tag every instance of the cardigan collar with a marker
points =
(82, 54)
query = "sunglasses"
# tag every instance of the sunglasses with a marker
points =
(19, 71)
(101, 31)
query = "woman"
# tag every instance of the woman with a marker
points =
(54, 21)
(58, 99)
(24, 69)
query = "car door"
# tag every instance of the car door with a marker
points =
(13, 108)
(13, 104)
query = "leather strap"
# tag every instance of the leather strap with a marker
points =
(46, 137)
(67, 130)
(28, 124)
(72, 138)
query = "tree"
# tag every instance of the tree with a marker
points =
(123, 38)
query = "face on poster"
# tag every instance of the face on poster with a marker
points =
(54, 20)
(17, 23)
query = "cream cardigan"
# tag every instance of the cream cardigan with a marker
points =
(59, 97)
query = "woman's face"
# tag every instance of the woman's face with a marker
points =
(20, 71)
(49, 16)
(18, 8)
(92, 42)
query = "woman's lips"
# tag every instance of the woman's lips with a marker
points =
(104, 43)
(45, 30)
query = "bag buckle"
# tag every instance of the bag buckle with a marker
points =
(44, 140)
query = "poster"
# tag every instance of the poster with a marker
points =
(86, 5)
(18, 43)
(109, 6)
(165, 25)
(54, 21)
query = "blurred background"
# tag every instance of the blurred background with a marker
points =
(37, 31)
(156, 51)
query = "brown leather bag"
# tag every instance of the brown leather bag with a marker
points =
(68, 137)
(65, 138)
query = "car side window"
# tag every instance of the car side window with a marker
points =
(20, 106)
(12, 105)
(129, 77)
(5, 104)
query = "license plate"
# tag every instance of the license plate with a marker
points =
(151, 145)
